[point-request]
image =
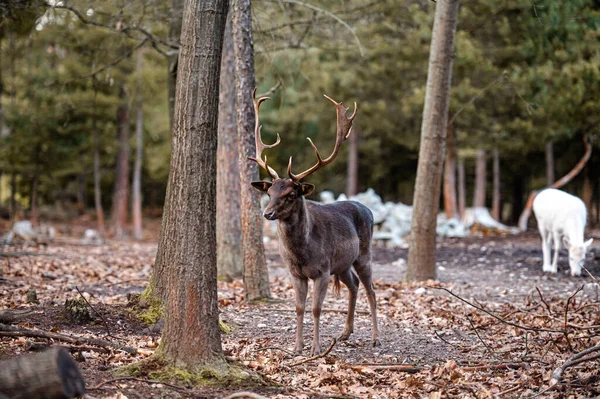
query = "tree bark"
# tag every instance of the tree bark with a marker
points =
(52, 374)
(450, 206)
(352, 171)
(173, 56)
(229, 229)
(421, 254)
(97, 180)
(462, 197)
(496, 186)
(256, 275)
(136, 210)
(480, 180)
(549, 164)
(121, 193)
(185, 273)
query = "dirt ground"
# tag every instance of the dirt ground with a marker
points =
(460, 351)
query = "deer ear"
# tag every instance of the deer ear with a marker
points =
(306, 189)
(261, 185)
(588, 242)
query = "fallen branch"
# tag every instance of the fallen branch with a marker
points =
(316, 356)
(10, 331)
(407, 368)
(574, 360)
(178, 387)
(500, 366)
(11, 316)
(38, 346)
(245, 395)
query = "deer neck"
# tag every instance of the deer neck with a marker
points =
(294, 229)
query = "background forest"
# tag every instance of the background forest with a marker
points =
(77, 81)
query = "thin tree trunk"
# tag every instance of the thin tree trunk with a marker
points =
(186, 261)
(229, 229)
(587, 194)
(352, 172)
(450, 206)
(121, 193)
(136, 210)
(421, 254)
(97, 180)
(256, 275)
(33, 200)
(13, 195)
(480, 180)
(496, 186)
(81, 189)
(462, 197)
(549, 164)
(173, 56)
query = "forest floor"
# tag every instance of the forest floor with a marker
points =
(455, 350)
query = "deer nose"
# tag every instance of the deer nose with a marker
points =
(270, 215)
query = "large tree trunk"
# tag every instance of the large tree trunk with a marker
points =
(496, 186)
(462, 188)
(352, 171)
(120, 196)
(136, 211)
(549, 164)
(256, 275)
(173, 56)
(97, 180)
(450, 206)
(421, 254)
(52, 374)
(480, 180)
(229, 229)
(186, 260)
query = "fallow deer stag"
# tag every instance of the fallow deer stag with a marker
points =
(318, 241)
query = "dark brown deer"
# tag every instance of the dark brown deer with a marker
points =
(318, 241)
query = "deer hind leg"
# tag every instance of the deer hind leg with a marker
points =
(364, 271)
(319, 291)
(546, 248)
(300, 291)
(556, 238)
(350, 280)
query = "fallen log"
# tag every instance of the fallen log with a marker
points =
(51, 374)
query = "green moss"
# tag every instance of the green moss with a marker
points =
(224, 327)
(149, 309)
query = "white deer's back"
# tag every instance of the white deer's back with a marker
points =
(557, 210)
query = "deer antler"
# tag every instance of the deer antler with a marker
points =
(344, 128)
(260, 146)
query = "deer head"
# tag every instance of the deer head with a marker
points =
(286, 193)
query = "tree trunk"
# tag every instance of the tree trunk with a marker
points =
(185, 273)
(480, 180)
(587, 194)
(421, 254)
(450, 206)
(121, 193)
(13, 195)
(173, 56)
(97, 179)
(549, 164)
(52, 374)
(81, 189)
(229, 229)
(352, 172)
(33, 200)
(462, 197)
(496, 186)
(256, 275)
(136, 210)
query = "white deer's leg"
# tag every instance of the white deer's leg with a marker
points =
(319, 291)
(300, 291)
(350, 280)
(556, 238)
(546, 248)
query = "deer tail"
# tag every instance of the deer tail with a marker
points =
(336, 285)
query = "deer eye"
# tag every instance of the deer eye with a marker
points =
(292, 195)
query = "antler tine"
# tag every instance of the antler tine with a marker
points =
(260, 146)
(344, 128)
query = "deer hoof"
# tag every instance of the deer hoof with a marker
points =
(315, 351)
(344, 335)
(376, 342)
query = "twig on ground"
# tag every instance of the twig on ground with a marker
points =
(10, 331)
(274, 348)
(442, 338)
(245, 395)
(574, 360)
(510, 323)
(500, 366)
(508, 391)
(479, 336)
(11, 316)
(590, 274)
(567, 316)
(95, 311)
(178, 387)
(543, 300)
(386, 366)
(309, 359)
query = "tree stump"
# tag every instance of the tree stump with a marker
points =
(51, 374)
(77, 311)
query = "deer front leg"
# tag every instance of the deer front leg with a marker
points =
(300, 291)
(319, 291)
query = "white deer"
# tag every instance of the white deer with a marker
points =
(561, 216)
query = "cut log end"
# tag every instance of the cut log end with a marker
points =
(51, 374)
